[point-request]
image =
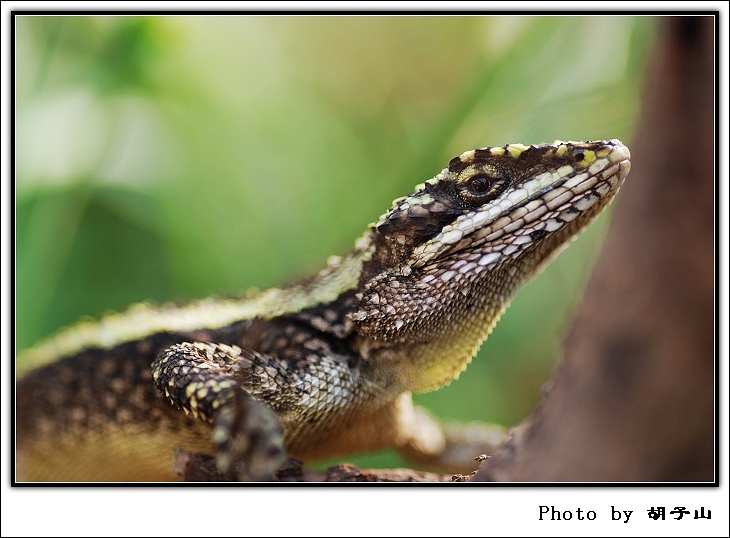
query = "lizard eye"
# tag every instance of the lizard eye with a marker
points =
(480, 188)
(479, 184)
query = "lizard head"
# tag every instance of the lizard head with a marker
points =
(455, 250)
(488, 198)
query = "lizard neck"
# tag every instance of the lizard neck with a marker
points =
(426, 324)
(426, 327)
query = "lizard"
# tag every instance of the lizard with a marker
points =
(325, 366)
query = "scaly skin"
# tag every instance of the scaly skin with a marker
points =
(326, 366)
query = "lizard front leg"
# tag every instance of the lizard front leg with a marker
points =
(308, 399)
(208, 381)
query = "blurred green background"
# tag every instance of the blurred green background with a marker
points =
(175, 157)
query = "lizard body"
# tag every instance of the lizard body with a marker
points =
(325, 366)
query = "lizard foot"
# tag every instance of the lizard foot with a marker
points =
(249, 439)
